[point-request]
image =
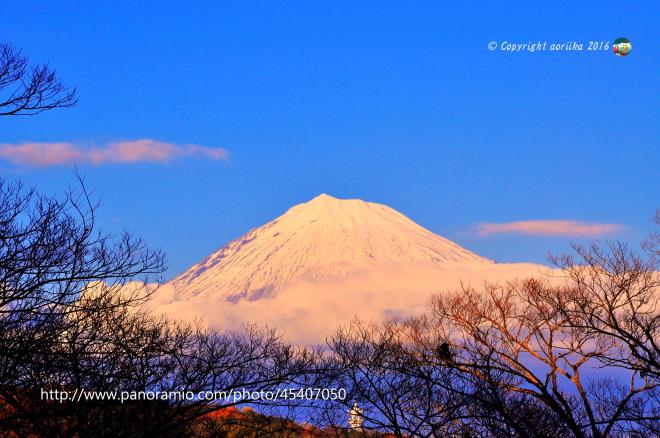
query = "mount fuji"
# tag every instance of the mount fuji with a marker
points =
(320, 239)
(321, 264)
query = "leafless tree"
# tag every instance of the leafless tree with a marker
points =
(57, 272)
(51, 255)
(29, 90)
(615, 297)
(70, 320)
(512, 330)
(408, 381)
(397, 389)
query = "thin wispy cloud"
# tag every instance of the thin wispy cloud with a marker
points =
(549, 228)
(34, 154)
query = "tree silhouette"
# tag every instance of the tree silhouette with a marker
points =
(71, 320)
(29, 90)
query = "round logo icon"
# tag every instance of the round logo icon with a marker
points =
(621, 47)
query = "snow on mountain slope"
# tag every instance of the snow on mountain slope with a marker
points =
(321, 239)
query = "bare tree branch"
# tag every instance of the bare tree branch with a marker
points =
(29, 90)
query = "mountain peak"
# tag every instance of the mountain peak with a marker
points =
(323, 238)
(324, 197)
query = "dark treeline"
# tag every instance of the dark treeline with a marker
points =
(576, 355)
(70, 318)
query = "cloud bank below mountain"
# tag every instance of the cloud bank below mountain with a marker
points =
(309, 310)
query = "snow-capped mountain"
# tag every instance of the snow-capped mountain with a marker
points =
(320, 239)
(323, 263)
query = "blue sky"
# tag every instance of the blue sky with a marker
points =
(394, 102)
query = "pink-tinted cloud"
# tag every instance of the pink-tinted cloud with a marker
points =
(549, 228)
(65, 153)
(40, 154)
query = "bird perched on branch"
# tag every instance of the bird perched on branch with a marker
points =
(443, 352)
